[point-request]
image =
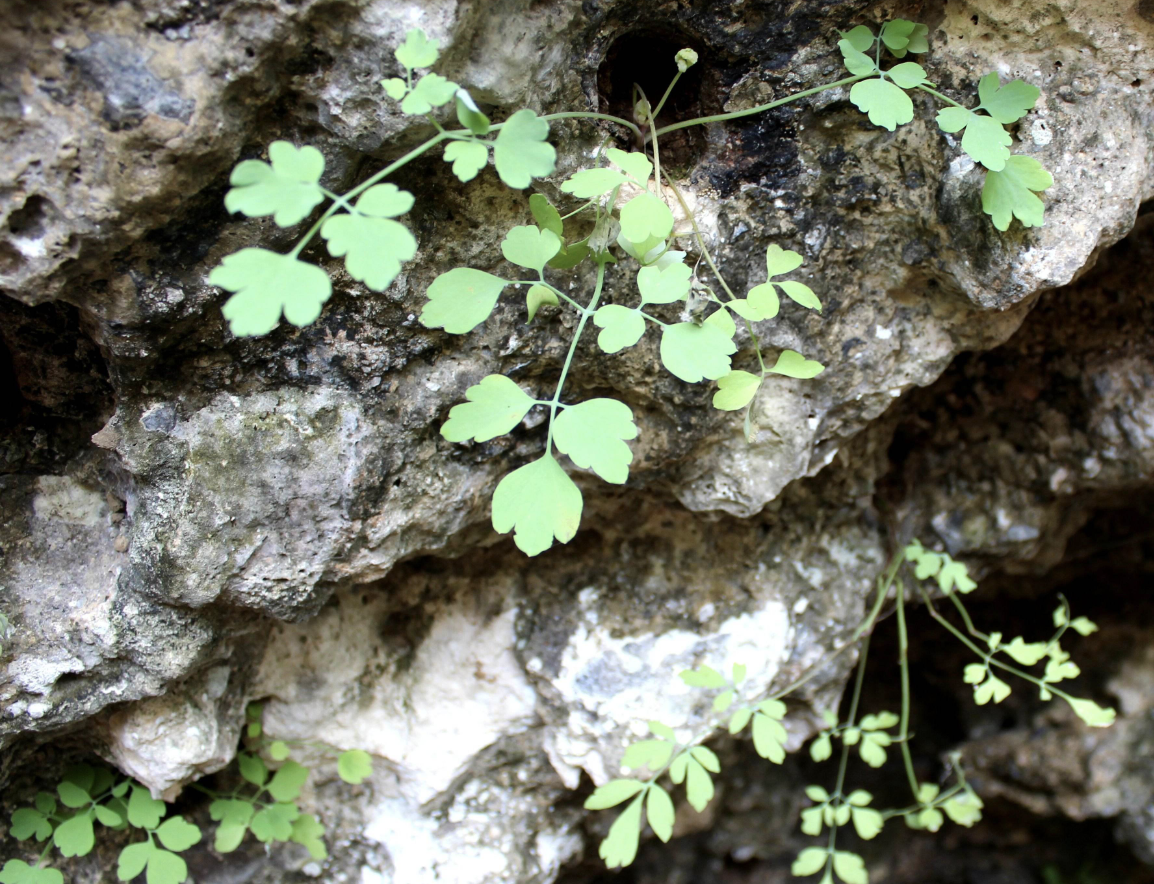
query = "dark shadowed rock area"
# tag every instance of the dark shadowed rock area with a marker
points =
(191, 521)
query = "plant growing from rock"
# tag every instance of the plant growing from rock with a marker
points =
(682, 759)
(631, 218)
(264, 803)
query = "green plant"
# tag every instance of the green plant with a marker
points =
(623, 214)
(871, 735)
(264, 803)
(5, 628)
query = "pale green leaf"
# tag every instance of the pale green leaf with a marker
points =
(228, 836)
(431, 91)
(993, 688)
(927, 792)
(529, 246)
(740, 719)
(287, 781)
(591, 183)
(779, 261)
(16, 871)
(907, 74)
(546, 216)
(27, 822)
(703, 677)
(860, 38)
(763, 300)
(593, 434)
(1009, 103)
(964, 809)
(395, 88)
(231, 811)
(750, 310)
(176, 833)
(840, 814)
(794, 365)
(809, 862)
(856, 62)
(468, 158)
(278, 750)
(1083, 626)
(74, 837)
(739, 670)
(1009, 193)
(71, 795)
(540, 502)
(896, 34)
(685, 59)
(851, 736)
(662, 730)
(974, 673)
(308, 832)
(418, 51)
(1026, 653)
(165, 868)
(620, 326)
(867, 822)
(768, 737)
(987, 142)
(698, 786)
(537, 297)
(521, 152)
(955, 575)
(707, 758)
(850, 867)
(644, 216)
(695, 352)
(954, 119)
(461, 299)
(133, 859)
(886, 105)
(265, 285)
(679, 767)
(647, 753)
(288, 189)
(880, 721)
(274, 823)
(736, 390)
(659, 286)
(619, 848)
(930, 819)
(816, 793)
(859, 798)
(373, 247)
(252, 769)
(929, 564)
(144, 811)
(811, 820)
(1087, 710)
(775, 709)
(801, 294)
(722, 321)
(659, 810)
(469, 115)
(821, 748)
(636, 165)
(872, 749)
(354, 766)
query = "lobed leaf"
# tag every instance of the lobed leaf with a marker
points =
(1009, 193)
(644, 216)
(850, 867)
(703, 677)
(354, 766)
(1090, 712)
(133, 859)
(468, 158)
(794, 365)
(521, 152)
(695, 352)
(307, 832)
(287, 781)
(27, 823)
(288, 188)
(594, 433)
(762, 301)
(176, 833)
(1007, 104)
(736, 390)
(530, 247)
(955, 575)
(769, 738)
(993, 688)
(809, 862)
(75, 837)
(867, 822)
(647, 753)
(886, 105)
(636, 165)
(539, 502)
(265, 284)
(16, 871)
(431, 91)
(663, 285)
(1026, 653)
(418, 51)
(461, 299)
(590, 183)
(619, 848)
(964, 809)
(621, 327)
(372, 244)
(274, 822)
(165, 868)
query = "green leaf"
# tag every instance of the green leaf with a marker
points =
(590, 183)
(373, 247)
(809, 862)
(955, 575)
(685, 59)
(986, 141)
(703, 677)
(695, 352)
(851, 736)
(635, 164)
(612, 794)
(74, 837)
(540, 502)
(1087, 710)
(287, 781)
(993, 688)
(644, 216)
(679, 767)
(722, 321)
(461, 299)
(872, 749)
(662, 730)
(659, 810)
(176, 833)
(1008, 194)
(698, 785)
(539, 296)
(821, 748)
(930, 819)
(775, 709)
(529, 246)
(879, 722)
(917, 41)
(954, 119)
(840, 814)
(278, 750)
(252, 768)
(801, 294)
(395, 88)
(811, 820)
(907, 75)
(620, 326)
(762, 303)
(647, 753)
(165, 868)
(231, 811)
(740, 719)
(1084, 626)
(288, 189)
(885, 104)
(768, 737)
(850, 867)
(895, 34)
(964, 809)
(468, 158)
(794, 365)
(418, 51)
(1009, 103)
(816, 793)
(265, 284)
(707, 758)
(856, 62)
(253, 730)
(619, 848)
(469, 115)
(27, 822)
(739, 670)
(521, 152)
(144, 811)
(860, 38)
(431, 91)
(229, 836)
(929, 564)
(659, 286)
(16, 871)
(354, 766)
(867, 822)
(736, 390)
(546, 216)
(974, 673)
(572, 255)
(859, 798)
(46, 802)
(133, 859)
(1026, 654)
(593, 434)
(109, 816)
(82, 775)
(308, 832)
(274, 823)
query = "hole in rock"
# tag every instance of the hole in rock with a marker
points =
(28, 220)
(646, 57)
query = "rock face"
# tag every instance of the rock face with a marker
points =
(191, 521)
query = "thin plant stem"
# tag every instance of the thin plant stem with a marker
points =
(665, 97)
(941, 97)
(588, 311)
(904, 664)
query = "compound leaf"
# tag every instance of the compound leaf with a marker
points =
(265, 284)
(736, 390)
(178, 834)
(993, 688)
(461, 299)
(620, 326)
(612, 794)
(695, 352)
(659, 811)
(792, 364)
(133, 859)
(955, 575)
(354, 766)
(1026, 653)
(307, 832)
(663, 286)
(698, 785)
(644, 216)
(288, 189)
(74, 837)
(468, 158)
(431, 91)
(619, 848)
(809, 862)
(418, 51)
(1008, 194)
(521, 152)
(287, 781)
(591, 183)
(529, 246)
(540, 502)
(593, 434)
(1009, 103)
(373, 247)
(886, 105)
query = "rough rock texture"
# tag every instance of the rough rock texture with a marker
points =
(190, 521)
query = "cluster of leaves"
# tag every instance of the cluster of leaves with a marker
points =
(1011, 181)
(264, 803)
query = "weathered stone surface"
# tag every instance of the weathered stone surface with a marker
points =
(300, 478)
